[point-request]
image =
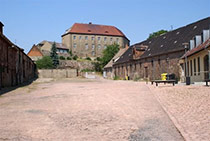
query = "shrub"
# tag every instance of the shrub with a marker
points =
(45, 63)
(70, 53)
(75, 57)
(88, 58)
(116, 78)
(62, 58)
(98, 59)
(69, 58)
(86, 70)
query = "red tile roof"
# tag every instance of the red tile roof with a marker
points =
(197, 49)
(95, 29)
(35, 51)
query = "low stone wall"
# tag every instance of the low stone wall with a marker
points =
(57, 73)
(80, 65)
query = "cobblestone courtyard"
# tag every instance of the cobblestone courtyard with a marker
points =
(81, 109)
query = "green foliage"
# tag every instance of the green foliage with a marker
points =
(98, 66)
(136, 78)
(86, 70)
(98, 59)
(155, 34)
(45, 63)
(62, 58)
(75, 57)
(88, 58)
(54, 55)
(70, 53)
(69, 58)
(108, 54)
(116, 78)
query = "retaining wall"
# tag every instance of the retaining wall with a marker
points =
(57, 73)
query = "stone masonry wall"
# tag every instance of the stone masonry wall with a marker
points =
(57, 73)
(80, 65)
(151, 68)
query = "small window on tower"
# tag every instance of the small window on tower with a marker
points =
(86, 46)
(99, 46)
(75, 45)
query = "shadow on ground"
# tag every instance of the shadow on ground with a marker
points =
(8, 89)
(153, 130)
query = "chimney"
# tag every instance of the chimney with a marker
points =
(90, 22)
(1, 27)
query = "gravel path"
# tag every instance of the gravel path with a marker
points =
(189, 107)
(80, 109)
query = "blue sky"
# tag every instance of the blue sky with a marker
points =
(28, 22)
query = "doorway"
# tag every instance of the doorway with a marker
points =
(206, 67)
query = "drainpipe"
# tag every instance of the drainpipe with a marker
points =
(186, 68)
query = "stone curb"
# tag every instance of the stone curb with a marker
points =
(173, 119)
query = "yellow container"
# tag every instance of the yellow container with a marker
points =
(163, 76)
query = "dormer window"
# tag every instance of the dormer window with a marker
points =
(89, 30)
(106, 32)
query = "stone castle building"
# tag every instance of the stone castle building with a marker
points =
(89, 40)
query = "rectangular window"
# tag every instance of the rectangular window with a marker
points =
(117, 40)
(93, 46)
(99, 38)
(191, 72)
(75, 45)
(99, 46)
(93, 53)
(86, 46)
(199, 66)
(105, 47)
(111, 40)
(74, 37)
(80, 37)
(194, 66)
(152, 62)
(105, 39)
(93, 38)
(86, 37)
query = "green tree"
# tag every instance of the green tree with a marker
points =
(75, 57)
(155, 34)
(62, 58)
(45, 63)
(54, 55)
(109, 53)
